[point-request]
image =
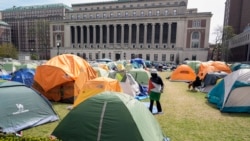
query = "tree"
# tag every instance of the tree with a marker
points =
(228, 33)
(221, 51)
(8, 51)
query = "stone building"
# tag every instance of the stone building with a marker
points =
(159, 31)
(5, 33)
(237, 16)
(30, 27)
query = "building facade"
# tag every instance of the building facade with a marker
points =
(237, 14)
(30, 27)
(159, 31)
(5, 33)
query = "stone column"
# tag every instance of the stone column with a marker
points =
(76, 38)
(129, 34)
(81, 35)
(122, 35)
(88, 34)
(101, 32)
(137, 34)
(115, 34)
(107, 36)
(153, 35)
(169, 34)
(145, 35)
(161, 36)
(94, 35)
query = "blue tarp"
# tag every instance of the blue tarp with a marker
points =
(25, 76)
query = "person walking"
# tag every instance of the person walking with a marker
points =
(155, 88)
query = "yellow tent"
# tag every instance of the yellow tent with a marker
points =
(95, 86)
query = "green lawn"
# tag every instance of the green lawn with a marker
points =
(187, 117)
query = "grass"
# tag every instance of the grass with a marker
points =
(187, 117)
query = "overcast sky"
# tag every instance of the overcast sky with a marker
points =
(216, 7)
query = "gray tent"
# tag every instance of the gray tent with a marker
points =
(22, 108)
(211, 79)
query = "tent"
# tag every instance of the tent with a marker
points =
(11, 66)
(211, 80)
(101, 72)
(109, 116)
(25, 76)
(212, 66)
(232, 93)
(4, 75)
(237, 66)
(141, 76)
(22, 107)
(194, 64)
(95, 86)
(28, 66)
(138, 63)
(60, 78)
(128, 84)
(183, 73)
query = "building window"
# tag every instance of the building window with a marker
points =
(111, 14)
(104, 15)
(119, 14)
(97, 15)
(90, 16)
(149, 13)
(84, 16)
(164, 57)
(134, 13)
(175, 12)
(196, 23)
(126, 14)
(72, 17)
(158, 12)
(142, 13)
(155, 57)
(195, 40)
(193, 57)
(171, 57)
(195, 35)
(166, 12)
(147, 56)
(90, 56)
(78, 17)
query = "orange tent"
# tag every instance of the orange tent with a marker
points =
(183, 73)
(56, 78)
(95, 86)
(212, 66)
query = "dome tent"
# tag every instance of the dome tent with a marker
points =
(23, 108)
(101, 116)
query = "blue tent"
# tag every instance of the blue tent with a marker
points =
(24, 75)
(232, 93)
(138, 62)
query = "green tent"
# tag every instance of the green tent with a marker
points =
(141, 76)
(194, 64)
(109, 116)
(22, 108)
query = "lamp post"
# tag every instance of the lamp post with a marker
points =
(58, 46)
